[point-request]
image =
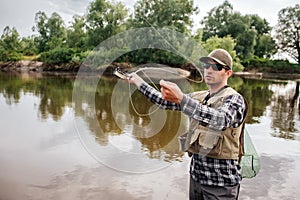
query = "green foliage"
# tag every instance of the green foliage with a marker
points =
(80, 57)
(6, 55)
(57, 56)
(9, 45)
(267, 65)
(245, 29)
(28, 46)
(215, 42)
(288, 31)
(142, 56)
(160, 14)
(102, 56)
(266, 46)
(76, 34)
(40, 27)
(52, 31)
(246, 43)
(198, 36)
(174, 15)
(246, 37)
(103, 20)
(215, 23)
(10, 39)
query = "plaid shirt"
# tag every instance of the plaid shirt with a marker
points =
(206, 170)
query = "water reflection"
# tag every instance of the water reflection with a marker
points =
(55, 92)
(277, 100)
(157, 133)
(283, 109)
(258, 96)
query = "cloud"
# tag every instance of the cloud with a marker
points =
(70, 7)
(22, 16)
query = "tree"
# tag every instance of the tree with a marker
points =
(265, 45)
(246, 30)
(10, 45)
(57, 31)
(10, 39)
(259, 24)
(40, 26)
(222, 21)
(28, 46)
(76, 34)
(52, 31)
(198, 35)
(104, 20)
(215, 23)
(246, 43)
(288, 31)
(161, 13)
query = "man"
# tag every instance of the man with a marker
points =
(216, 120)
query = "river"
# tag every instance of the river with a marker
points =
(64, 137)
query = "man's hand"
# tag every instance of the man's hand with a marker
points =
(170, 91)
(135, 79)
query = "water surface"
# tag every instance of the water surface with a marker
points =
(91, 144)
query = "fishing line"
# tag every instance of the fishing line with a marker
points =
(131, 102)
(178, 52)
(151, 81)
(154, 85)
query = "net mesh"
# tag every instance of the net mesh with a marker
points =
(250, 162)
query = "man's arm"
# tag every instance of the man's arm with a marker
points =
(152, 94)
(230, 114)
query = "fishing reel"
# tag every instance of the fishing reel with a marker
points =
(120, 74)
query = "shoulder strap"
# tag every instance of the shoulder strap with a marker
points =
(221, 95)
(200, 95)
(241, 139)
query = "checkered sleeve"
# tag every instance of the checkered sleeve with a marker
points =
(155, 97)
(230, 114)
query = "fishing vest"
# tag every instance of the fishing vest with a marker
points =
(227, 144)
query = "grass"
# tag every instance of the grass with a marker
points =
(33, 57)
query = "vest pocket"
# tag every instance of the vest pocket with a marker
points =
(202, 141)
(217, 150)
(208, 138)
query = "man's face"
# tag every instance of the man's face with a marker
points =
(215, 77)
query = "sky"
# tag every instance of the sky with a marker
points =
(20, 13)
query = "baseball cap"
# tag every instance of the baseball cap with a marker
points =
(220, 56)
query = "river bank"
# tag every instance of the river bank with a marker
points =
(36, 66)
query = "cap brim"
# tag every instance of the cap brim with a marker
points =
(211, 59)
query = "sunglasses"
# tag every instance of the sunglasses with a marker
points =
(216, 67)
